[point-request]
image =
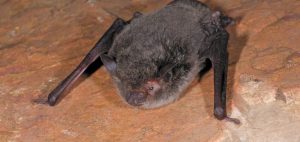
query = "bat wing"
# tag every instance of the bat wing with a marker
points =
(100, 48)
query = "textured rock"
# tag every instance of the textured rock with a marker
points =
(42, 41)
(266, 80)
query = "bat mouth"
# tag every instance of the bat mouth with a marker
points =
(136, 98)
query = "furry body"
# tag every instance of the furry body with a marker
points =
(172, 35)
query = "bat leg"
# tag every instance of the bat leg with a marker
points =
(101, 47)
(219, 61)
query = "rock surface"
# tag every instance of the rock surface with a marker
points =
(42, 41)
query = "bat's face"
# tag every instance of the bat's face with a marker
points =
(144, 84)
(141, 95)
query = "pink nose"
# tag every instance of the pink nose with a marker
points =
(136, 98)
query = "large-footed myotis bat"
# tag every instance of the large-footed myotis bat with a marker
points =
(152, 58)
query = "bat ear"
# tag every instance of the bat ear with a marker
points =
(109, 63)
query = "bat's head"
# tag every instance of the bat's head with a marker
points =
(143, 83)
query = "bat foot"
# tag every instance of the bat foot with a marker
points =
(232, 120)
(40, 101)
(220, 114)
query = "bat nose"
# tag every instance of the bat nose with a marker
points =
(136, 98)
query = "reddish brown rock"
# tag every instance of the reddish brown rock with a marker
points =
(266, 84)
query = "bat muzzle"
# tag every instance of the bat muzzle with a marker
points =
(136, 98)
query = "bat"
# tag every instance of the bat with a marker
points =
(152, 58)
